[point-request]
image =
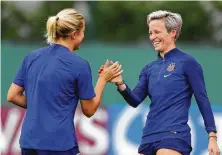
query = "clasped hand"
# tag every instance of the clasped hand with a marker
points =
(117, 77)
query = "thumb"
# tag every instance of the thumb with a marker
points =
(106, 64)
(210, 151)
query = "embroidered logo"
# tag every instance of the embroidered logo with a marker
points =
(167, 75)
(171, 67)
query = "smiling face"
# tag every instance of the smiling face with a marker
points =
(161, 39)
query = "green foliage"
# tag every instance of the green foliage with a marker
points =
(126, 21)
(115, 21)
(35, 21)
(217, 4)
(11, 20)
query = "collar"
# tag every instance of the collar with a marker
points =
(62, 47)
(169, 54)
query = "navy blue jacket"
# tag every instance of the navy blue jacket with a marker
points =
(170, 83)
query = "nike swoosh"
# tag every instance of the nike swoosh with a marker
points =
(167, 75)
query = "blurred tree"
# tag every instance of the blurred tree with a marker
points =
(15, 19)
(126, 21)
(48, 8)
(12, 19)
(119, 21)
(217, 4)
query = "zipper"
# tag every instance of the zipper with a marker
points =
(161, 69)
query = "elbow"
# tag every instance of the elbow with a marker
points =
(89, 107)
(133, 102)
(89, 113)
(10, 98)
(134, 105)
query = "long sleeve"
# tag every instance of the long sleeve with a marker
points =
(139, 93)
(194, 73)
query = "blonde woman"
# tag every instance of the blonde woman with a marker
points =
(54, 80)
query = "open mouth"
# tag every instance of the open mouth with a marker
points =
(156, 43)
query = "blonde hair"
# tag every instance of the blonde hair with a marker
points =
(172, 20)
(61, 25)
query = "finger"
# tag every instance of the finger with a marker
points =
(217, 152)
(112, 74)
(210, 151)
(117, 74)
(101, 69)
(106, 64)
(111, 62)
(117, 69)
(102, 66)
(114, 65)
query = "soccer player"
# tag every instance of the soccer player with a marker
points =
(54, 80)
(170, 81)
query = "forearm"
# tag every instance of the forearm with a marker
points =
(212, 133)
(130, 97)
(19, 100)
(194, 73)
(100, 85)
(207, 113)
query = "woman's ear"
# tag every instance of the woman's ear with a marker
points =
(73, 35)
(174, 33)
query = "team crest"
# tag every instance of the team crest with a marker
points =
(171, 67)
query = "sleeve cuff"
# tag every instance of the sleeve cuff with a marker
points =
(87, 97)
(21, 84)
(125, 91)
(211, 129)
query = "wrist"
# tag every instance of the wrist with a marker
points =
(119, 83)
(102, 80)
(214, 137)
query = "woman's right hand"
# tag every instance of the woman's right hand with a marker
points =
(111, 71)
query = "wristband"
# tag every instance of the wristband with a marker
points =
(212, 136)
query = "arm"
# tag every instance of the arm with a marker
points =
(195, 77)
(16, 96)
(89, 107)
(194, 74)
(139, 93)
(90, 104)
(15, 92)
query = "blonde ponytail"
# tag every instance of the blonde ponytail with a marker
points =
(51, 28)
(61, 25)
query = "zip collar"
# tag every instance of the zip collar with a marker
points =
(169, 54)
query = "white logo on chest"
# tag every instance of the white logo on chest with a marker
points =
(170, 68)
(167, 75)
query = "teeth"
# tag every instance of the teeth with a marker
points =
(155, 43)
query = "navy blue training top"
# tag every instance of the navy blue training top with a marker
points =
(54, 80)
(170, 84)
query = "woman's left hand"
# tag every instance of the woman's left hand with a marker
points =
(213, 146)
